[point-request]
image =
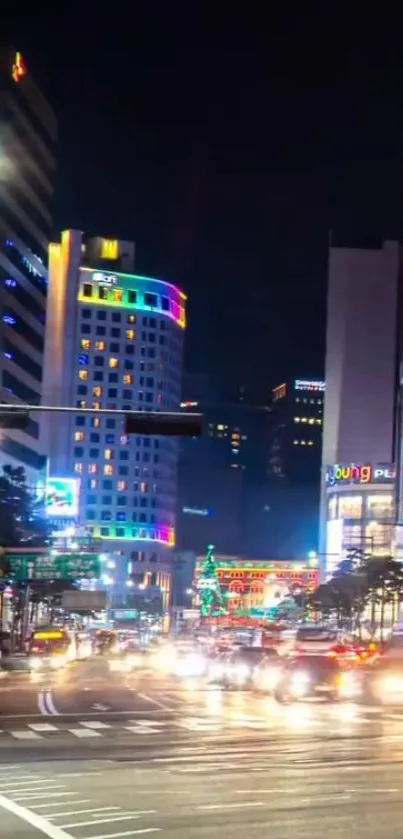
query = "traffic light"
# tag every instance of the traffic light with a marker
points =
(17, 418)
(164, 425)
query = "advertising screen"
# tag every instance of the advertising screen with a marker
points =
(61, 497)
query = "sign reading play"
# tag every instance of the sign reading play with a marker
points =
(360, 473)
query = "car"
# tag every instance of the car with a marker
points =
(237, 669)
(268, 671)
(384, 682)
(317, 677)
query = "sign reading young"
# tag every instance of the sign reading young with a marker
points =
(360, 473)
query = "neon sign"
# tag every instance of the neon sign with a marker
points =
(104, 279)
(305, 384)
(19, 69)
(360, 473)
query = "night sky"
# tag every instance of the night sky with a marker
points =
(228, 148)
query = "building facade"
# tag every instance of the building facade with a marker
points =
(28, 135)
(222, 476)
(259, 587)
(359, 441)
(294, 464)
(114, 341)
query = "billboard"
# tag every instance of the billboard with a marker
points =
(84, 601)
(360, 473)
(62, 497)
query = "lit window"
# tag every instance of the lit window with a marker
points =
(108, 454)
(128, 379)
(83, 404)
(83, 375)
(93, 469)
(143, 487)
(124, 440)
(108, 469)
(297, 419)
(296, 442)
(117, 295)
(122, 486)
(113, 362)
(130, 334)
(97, 391)
(96, 406)
(310, 443)
(96, 422)
(100, 346)
(93, 483)
(78, 468)
(85, 344)
(79, 435)
(131, 319)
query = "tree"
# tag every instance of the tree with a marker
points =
(21, 522)
(211, 597)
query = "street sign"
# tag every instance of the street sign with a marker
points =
(45, 566)
(84, 601)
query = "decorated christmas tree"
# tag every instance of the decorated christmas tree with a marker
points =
(212, 601)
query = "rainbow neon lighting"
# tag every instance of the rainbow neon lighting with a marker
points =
(160, 533)
(133, 292)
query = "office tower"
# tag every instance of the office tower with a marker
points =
(28, 134)
(358, 471)
(114, 341)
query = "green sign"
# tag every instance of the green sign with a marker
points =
(31, 566)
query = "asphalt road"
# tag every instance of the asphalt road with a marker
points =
(93, 754)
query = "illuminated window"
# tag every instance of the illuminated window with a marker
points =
(96, 422)
(100, 346)
(96, 406)
(93, 483)
(85, 344)
(93, 469)
(124, 440)
(310, 442)
(108, 454)
(143, 487)
(127, 379)
(83, 375)
(79, 435)
(131, 319)
(97, 391)
(113, 362)
(130, 334)
(108, 469)
(117, 295)
(122, 486)
(82, 404)
(78, 468)
(350, 507)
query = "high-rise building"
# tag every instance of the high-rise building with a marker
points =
(358, 458)
(28, 134)
(296, 425)
(222, 476)
(114, 341)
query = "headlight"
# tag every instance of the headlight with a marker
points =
(216, 671)
(240, 672)
(392, 684)
(348, 685)
(57, 662)
(268, 679)
(193, 666)
(35, 664)
(299, 683)
(133, 660)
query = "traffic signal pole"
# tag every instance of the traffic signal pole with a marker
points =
(159, 423)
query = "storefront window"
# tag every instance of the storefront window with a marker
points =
(378, 538)
(352, 537)
(350, 507)
(380, 506)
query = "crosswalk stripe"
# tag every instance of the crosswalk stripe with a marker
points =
(84, 732)
(25, 735)
(42, 727)
(95, 724)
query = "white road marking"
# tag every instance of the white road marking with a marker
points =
(155, 702)
(149, 722)
(25, 735)
(39, 788)
(78, 812)
(50, 704)
(98, 707)
(94, 724)
(230, 806)
(141, 729)
(41, 704)
(34, 820)
(60, 803)
(107, 820)
(29, 797)
(42, 726)
(27, 779)
(84, 732)
(125, 833)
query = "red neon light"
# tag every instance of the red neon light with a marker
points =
(19, 69)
